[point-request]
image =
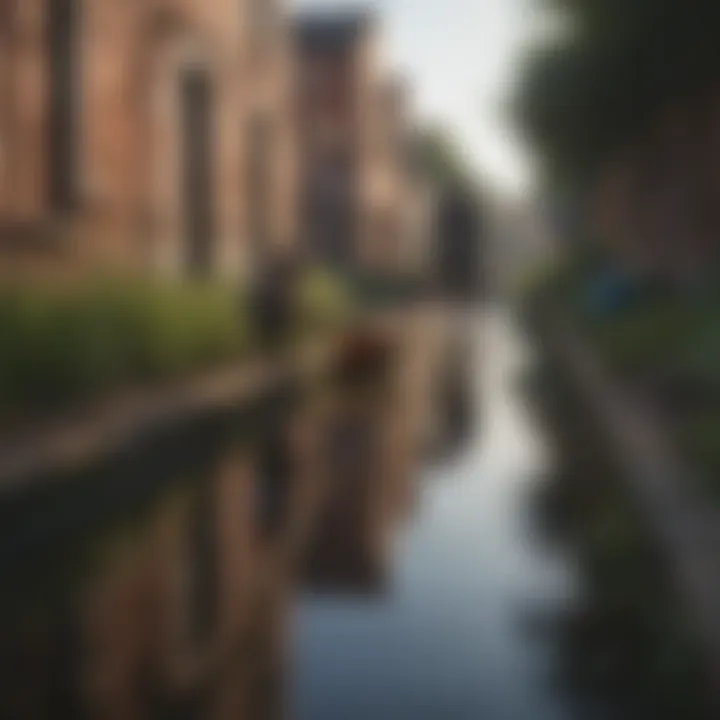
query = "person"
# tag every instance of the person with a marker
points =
(272, 299)
(458, 232)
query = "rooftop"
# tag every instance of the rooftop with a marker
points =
(333, 27)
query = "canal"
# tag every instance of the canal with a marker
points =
(375, 547)
(445, 635)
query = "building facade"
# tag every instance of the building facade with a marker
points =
(388, 190)
(151, 134)
(351, 122)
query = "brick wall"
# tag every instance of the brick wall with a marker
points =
(352, 116)
(130, 147)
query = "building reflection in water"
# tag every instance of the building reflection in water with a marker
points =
(456, 403)
(347, 548)
(177, 606)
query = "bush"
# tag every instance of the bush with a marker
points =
(382, 289)
(638, 326)
(62, 344)
(636, 339)
(324, 299)
(666, 341)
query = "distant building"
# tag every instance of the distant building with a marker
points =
(522, 239)
(418, 244)
(460, 238)
(153, 134)
(352, 125)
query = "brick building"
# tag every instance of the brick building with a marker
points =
(390, 187)
(351, 121)
(152, 134)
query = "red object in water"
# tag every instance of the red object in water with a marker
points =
(363, 352)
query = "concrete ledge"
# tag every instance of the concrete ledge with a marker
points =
(83, 438)
(685, 525)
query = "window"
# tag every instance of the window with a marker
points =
(199, 196)
(259, 167)
(62, 47)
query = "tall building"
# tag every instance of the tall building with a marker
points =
(390, 189)
(152, 134)
(351, 120)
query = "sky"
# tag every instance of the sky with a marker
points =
(461, 57)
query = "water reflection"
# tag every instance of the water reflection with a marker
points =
(456, 411)
(347, 549)
(445, 639)
(155, 606)
(625, 647)
(161, 585)
(299, 559)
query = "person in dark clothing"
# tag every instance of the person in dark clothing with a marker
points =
(458, 236)
(273, 299)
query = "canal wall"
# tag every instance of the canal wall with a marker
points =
(685, 527)
(180, 603)
(83, 438)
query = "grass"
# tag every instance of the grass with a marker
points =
(670, 347)
(62, 345)
(324, 300)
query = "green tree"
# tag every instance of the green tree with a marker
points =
(621, 63)
(437, 157)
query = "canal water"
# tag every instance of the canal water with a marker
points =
(367, 549)
(445, 636)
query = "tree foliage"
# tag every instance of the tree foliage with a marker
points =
(437, 157)
(619, 66)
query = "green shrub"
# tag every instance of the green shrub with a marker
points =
(699, 440)
(324, 299)
(673, 333)
(384, 289)
(637, 337)
(562, 278)
(62, 344)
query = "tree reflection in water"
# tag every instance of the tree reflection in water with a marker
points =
(627, 646)
(163, 585)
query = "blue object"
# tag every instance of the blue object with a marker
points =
(611, 291)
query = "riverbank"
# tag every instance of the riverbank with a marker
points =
(176, 564)
(682, 524)
(77, 439)
(68, 344)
